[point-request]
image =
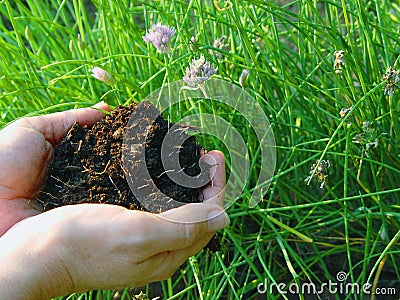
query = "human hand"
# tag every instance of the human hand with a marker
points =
(94, 246)
(26, 148)
(81, 247)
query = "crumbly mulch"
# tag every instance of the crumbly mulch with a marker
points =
(88, 167)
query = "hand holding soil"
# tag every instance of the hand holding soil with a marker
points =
(87, 246)
(26, 149)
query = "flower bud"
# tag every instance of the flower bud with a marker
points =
(103, 76)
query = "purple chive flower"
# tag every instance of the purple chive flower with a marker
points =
(103, 76)
(198, 72)
(160, 36)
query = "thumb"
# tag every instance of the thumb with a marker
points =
(181, 227)
(54, 126)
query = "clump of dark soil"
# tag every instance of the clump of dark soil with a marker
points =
(88, 164)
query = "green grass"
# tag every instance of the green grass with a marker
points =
(300, 232)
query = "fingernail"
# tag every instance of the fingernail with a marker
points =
(217, 219)
(100, 104)
(210, 163)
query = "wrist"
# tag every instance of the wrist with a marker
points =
(29, 266)
(19, 276)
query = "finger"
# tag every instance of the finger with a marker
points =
(24, 155)
(215, 191)
(26, 148)
(159, 234)
(55, 126)
(165, 264)
(12, 213)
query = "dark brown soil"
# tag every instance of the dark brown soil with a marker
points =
(87, 165)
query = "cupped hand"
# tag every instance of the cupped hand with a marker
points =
(26, 148)
(88, 246)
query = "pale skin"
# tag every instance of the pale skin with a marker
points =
(87, 246)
